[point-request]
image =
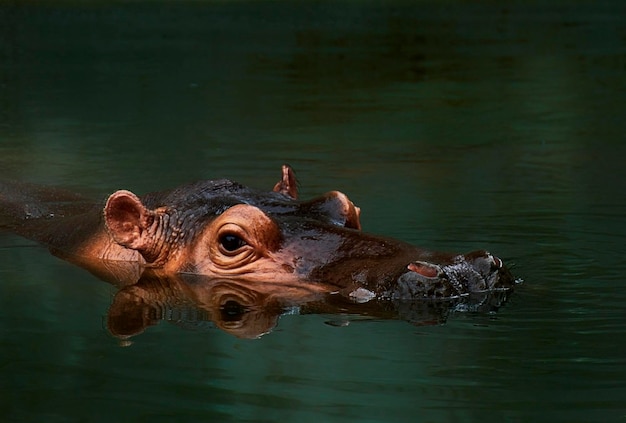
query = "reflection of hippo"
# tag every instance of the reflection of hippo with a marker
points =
(225, 230)
(243, 308)
(249, 309)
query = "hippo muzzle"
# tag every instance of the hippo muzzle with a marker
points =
(474, 272)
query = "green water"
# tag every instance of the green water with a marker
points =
(453, 125)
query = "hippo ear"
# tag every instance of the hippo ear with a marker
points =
(288, 185)
(338, 207)
(127, 219)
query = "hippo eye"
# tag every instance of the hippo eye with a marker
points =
(231, 242)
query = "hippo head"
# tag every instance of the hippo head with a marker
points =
(223, 229)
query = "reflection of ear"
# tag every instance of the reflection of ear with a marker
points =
(288, 185)
(130, 314)
(127, 219)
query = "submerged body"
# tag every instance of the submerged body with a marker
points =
(222, 229)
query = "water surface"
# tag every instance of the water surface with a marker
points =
(453, 125)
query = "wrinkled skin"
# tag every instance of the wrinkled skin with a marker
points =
(225, 230)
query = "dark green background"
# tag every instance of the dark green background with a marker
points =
(455, 125)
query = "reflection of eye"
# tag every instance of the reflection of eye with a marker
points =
(231, 242)
(232, 311)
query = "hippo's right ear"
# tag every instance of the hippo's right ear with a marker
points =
(127, 219)
(288, 185)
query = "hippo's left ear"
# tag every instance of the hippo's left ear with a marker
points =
(288, 185)
(127, 219)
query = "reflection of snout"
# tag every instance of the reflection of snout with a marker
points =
(478, 271)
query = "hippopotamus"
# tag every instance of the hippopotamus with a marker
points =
(222, 229)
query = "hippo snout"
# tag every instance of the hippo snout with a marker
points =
(474, 272)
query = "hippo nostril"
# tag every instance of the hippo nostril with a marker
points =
(496, 262)
(424, 269)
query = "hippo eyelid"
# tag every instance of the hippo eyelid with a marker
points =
(231, 242)
(231, 239)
